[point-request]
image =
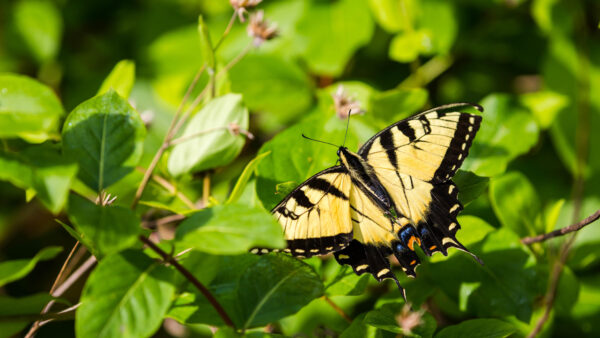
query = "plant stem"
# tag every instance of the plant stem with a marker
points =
(563, 231)
(170, 133)
(226, 32)
(188, 275)
(337, 309)
(192, 136)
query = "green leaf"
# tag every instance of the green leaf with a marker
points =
(120, 79)
(16, 269)
(358, 329)
(273, 85)
(253, 290)
(393, 105)
(472, 231)
(387, 13)
(275, 287)
(40, 25)
(516, 203)
(478, 328)
(509, 282)
(105, 136)
(567, 292)
(470, 186)
(241, 183)
(406, 46)
(346, 282)
(127, 295)
(333, 32)
(230, 229)
(438, 21)
(28, 109)
(103, 229)
(494, 146)
(217, 147)
(42, 171)
(29, 305)
(545, 106)
(387, 318)
(205, 43)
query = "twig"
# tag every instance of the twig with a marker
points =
(192, 136)
(205, 189)
(44, 318)
(64, 312)
(58, 279)
(226, 32)
(164, 220)
(60, 290)
(563, 231)
(235, 60)
(337, 309)
(213, 301)
(170, 188)
(170, 133)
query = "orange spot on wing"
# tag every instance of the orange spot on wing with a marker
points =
(413, 262)
(411, 243)
(433, 247)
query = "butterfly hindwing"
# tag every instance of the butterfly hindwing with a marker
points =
(315, 217)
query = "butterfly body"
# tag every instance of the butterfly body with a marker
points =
(392, 195)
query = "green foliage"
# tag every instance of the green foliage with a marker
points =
(17, 269)
(105, 136)
(216, 148)
(118, 166)
(29, 109)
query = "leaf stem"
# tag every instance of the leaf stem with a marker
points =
(337, 309)
(563, 231)
(170, 133)
(226, 32)
(188, 275)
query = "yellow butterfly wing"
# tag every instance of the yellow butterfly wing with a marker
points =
(315, 217)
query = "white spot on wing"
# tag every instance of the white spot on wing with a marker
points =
(453, 209)
(382, 272)
(361, 267)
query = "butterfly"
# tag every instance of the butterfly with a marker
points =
(396, 192)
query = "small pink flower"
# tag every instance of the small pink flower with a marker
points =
(259, 28)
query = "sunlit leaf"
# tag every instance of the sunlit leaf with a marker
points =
(470, 186)
(103, 229)
(230, 229)
(19, 268)
(28, 109)
(105, 136)
(208, 142)
(120, 79)
(478, 328)
(127, 295)
(40, 25)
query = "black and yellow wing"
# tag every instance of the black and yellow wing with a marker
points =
(414, 160)
(316, 216)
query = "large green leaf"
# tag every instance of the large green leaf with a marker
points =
(478, 328)
(103, 229)
(470, 186)
(23, 306)
(272, 85)
(504, 121)
(332, 32)
(254, 291)
(105, 136)
(507, 284)
(28, 109)
(40, 25)
(19, 268)
(218, 146)
(43, 170)
(230, 229)
(127, 295)
(120, 79)
(516, 203)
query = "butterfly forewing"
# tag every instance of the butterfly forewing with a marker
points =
(316, 216)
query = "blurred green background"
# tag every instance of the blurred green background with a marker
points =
(533, 65)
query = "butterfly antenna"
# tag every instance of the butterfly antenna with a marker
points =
(347, 125)
(312, 139)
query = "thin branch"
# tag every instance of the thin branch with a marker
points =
(66, 314)
(60, 290)
(165, 220)
(226, 32)
(563, 231)
(170, 133)
(337, 309)
(213, 301)
(192, 136)
(235, 60)
(170, 188)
